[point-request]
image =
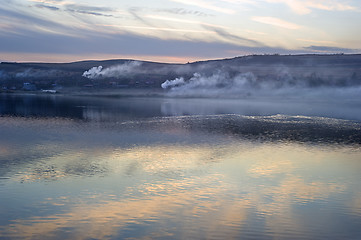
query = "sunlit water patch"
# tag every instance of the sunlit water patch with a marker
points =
(205, 176)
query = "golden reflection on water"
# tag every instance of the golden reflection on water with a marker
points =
(4, 150)
(207, 189)
(105, 218)
(167, 158)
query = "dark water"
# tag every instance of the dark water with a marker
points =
(162, 168)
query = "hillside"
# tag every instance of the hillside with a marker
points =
(308, 70)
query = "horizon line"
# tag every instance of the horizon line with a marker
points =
(175, 62)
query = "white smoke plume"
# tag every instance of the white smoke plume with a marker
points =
(222, 84)
(173, 83)
(127, 68)
(94, 72)
(217, 84)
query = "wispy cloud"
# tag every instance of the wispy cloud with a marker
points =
(306, 6)
(41, 18)
(240, 1)
(232, 37)
(134, 12)
(254, 32)
(21, 20)
(67, 6)
(166, 29)
(80, 7)
(168, 19)
(244, 4)
(183, 11)
(175, 11)
(316, 41)
(131, 44)
(277, 22)
(178, 28)
(90, 10)
(53, 8)
(328, 49)
(53, 2)
(210, 5)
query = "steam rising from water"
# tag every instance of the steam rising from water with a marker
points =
(113, 71)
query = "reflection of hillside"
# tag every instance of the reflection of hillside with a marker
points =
(84, 108)
(120, 110)
(38, 106)
(101, 109)
(280, 128)
(260, 107)
(216, 116)
(267, 128)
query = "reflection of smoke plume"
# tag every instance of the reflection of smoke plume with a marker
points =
(113, 71)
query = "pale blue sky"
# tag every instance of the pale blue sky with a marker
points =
(175, 30)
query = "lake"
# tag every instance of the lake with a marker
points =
(179, 168)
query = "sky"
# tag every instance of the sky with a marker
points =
(175, 30)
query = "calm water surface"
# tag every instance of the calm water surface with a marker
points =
(95, 168)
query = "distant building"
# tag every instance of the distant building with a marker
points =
(49, 91)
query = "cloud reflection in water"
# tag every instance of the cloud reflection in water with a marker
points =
(208, 191)
(216, 176)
